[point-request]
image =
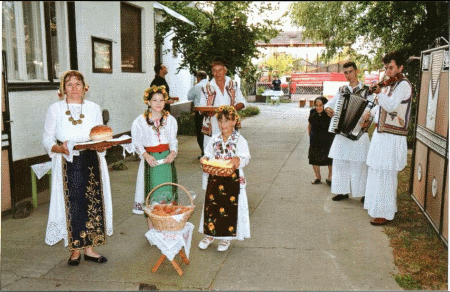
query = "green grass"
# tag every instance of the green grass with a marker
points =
(420, 255)
(249, 111)
(186, 124)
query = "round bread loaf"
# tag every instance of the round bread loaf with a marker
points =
(101, 133)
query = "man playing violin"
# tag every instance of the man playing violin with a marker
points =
(349, 156)
(388, 149)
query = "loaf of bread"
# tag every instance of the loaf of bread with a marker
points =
(218, 163)
(101, 133)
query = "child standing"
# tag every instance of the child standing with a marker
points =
(225, 212)
(154, 135)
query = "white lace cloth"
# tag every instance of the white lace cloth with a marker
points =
(171, 242)
(41, 169)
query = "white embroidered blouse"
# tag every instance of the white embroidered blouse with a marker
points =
(143, 135)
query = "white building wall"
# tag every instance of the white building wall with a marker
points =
(181, 82)
(119, 93)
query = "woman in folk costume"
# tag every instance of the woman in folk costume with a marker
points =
(80, 204)
(221, 90)
(225, 213)
(388, 148)
(154, 135)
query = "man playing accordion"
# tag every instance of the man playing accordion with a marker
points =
(349, 156)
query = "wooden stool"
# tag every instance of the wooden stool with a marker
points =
(33, 179)
(174, 264)
(171, 244)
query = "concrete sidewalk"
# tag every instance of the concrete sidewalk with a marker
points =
(300, 238)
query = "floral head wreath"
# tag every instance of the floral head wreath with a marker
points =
(62, 83)
(148, 93)
(231, 112)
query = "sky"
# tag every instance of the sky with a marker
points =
(305, 53)
(284, 6)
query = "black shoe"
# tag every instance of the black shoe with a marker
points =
(316, 181)
(74, 262)
(328, 182)
(100, 259)
(340, 197)
(362, 199)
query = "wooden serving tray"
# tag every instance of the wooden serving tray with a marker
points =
(93, 145)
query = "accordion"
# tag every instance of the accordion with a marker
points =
(348, 114)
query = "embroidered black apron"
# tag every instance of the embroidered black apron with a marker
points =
(221, 205)
(83, 194)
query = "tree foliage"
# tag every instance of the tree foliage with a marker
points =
(221, 29)
(378, 26)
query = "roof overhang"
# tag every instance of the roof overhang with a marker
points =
(169, 11)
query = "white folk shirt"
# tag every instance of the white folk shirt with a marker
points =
(58, 127)
(195, 93)
(242, 152)
(344, 148)
(388, 151)
(143, 135)
(221, 99)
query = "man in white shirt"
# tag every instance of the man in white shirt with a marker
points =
(221, 90)
(195, 95)
(349, 156)
(388, 148)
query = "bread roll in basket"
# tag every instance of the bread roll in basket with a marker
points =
(218, 167)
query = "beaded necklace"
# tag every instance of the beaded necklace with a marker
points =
(157, 128)
(69, 113)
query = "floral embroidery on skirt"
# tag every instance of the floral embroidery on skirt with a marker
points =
(221, 205)
(83, 192)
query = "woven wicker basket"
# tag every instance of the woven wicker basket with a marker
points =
(168, 222)
(220, 171)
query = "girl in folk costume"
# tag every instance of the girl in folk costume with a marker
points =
(225, 213)
(80, 203)
(154, 135)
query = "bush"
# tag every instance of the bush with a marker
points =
(260, 90)
(249, 111)
(186, 124)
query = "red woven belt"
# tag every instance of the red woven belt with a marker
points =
(159, 148)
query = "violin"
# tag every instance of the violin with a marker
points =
(386, 82)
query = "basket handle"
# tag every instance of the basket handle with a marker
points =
(166, 184)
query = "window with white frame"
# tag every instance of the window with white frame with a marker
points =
(34, 39)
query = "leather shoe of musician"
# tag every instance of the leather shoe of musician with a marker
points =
(379, 221)
(340, 197)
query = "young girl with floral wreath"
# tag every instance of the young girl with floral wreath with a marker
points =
(154, 135)
(225, 212)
